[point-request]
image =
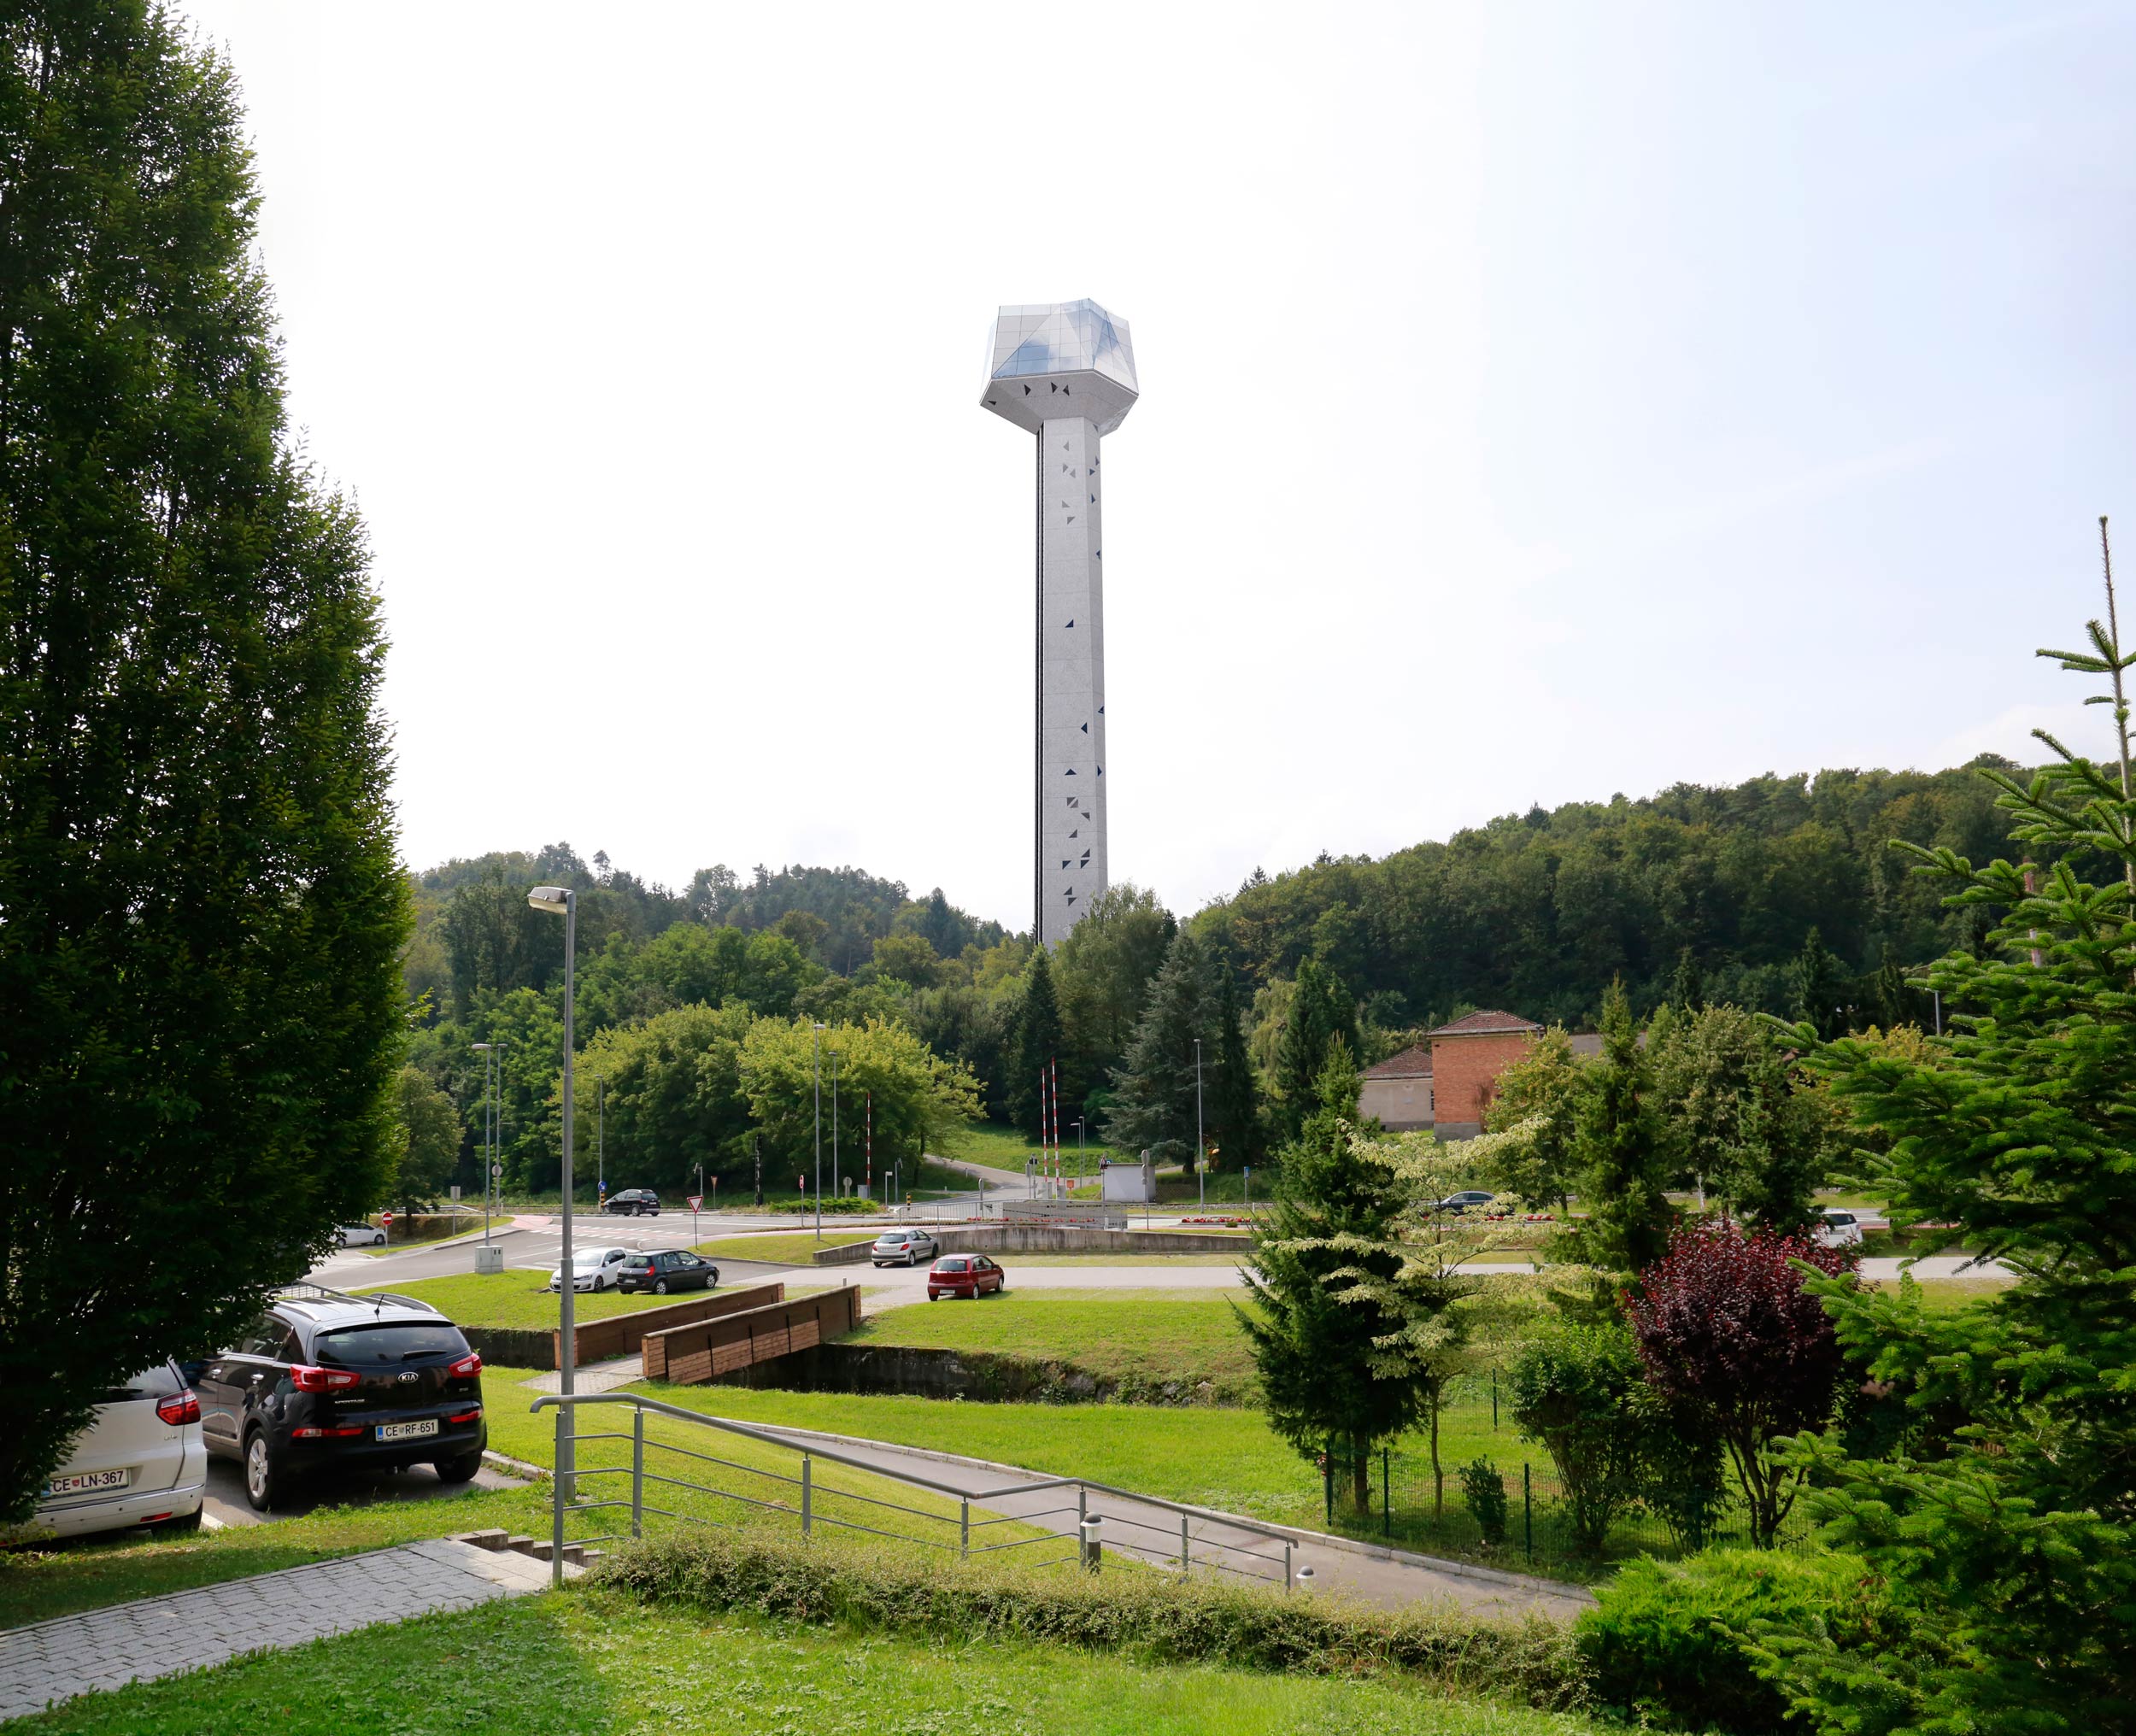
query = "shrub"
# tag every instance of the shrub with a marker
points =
(1155, 1615)
(1667, 1641)
(1483, 1493)
(1577, 1392)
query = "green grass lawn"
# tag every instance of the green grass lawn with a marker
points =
(796, 1247)
(1003, 1147)
(1141, 1338)
(519, 1297)
(588, 1662)
(1146, 1263)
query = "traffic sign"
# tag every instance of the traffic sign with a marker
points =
(385, 1220)
(496, 1171)
(693, 1200)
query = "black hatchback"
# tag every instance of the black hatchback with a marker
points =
(324, 1380)
(661, 1272)
(633, 1202)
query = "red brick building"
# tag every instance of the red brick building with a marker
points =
(1446, 1082)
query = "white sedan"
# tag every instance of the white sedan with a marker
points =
(140, 1462)
(360, 1235)
(592, 1269)
(1838, 1229)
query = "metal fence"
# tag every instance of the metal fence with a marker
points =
(687, 1482)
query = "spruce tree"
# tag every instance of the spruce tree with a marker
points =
(1037, 1044)
(1624, 1165)
(201, 910)
(1317, 1348)
(1321, 1012)
(2003, 1522)
(1153, 1107)
(1235, 1101)
(1821, 989)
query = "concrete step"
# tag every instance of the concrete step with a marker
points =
(493, 1541)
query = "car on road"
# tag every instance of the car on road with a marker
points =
(633, 1202)
(141, 1462)
(360, 1235)
(592, 1269)
(964, 1275)
(325, 1381)
(903, 1247)
(660, 1273)
(1837, 1230)
(1469, 1200)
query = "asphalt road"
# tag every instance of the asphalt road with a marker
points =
(225, 1502)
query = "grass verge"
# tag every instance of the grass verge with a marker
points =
(781, 1248)
(519, 1297)
(593, 1662)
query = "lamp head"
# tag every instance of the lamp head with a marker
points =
(555, 900)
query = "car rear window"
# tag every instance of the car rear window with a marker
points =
(388, 1344)
(158, 1382)
(1839, 1218)
(951, 1266)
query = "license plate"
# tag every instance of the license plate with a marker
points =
(407, 1431)
(84, 1481)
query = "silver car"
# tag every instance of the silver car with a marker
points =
(140, 1462)
(903, 1247)
(592, 1269)
(360, 1235)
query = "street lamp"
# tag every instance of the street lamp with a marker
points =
(492, 1062)
(561, 900)
(1201, 1148)
(1082, 1169)
(816, 1055)
(837, 1175)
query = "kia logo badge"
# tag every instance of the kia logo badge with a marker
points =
(408, 1377)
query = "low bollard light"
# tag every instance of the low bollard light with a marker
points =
(1304, 1578)
(1091, 1551)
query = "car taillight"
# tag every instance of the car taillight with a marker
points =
(179, 1407)
(311, 1380)
(325, 1433)
(468, 1367)
(467, 1416)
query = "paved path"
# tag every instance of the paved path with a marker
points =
(156, 1637)
(1392, 1579)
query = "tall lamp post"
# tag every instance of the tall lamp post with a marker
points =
(561, 900)
(1201, 1147)
(1082, 1169)
(490, 1065)
(816, 1055)
(837, 1175)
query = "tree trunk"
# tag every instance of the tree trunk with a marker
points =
(1438, 1475)
(1361, 1475)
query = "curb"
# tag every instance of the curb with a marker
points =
(432, 1247)
(1319, 1539)
(518, 1467)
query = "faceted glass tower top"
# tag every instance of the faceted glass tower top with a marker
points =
(1061, 358)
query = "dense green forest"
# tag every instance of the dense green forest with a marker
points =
(1772, 894)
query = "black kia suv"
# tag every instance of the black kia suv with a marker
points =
(324, 1380)
(634, 1202)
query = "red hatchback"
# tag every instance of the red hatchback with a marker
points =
(964, 1275)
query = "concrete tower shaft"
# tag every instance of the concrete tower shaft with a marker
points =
(1065, 373)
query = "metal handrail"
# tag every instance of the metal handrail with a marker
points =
(809, 1448)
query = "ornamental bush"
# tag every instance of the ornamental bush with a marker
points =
(1483, 1493)
(1724, 1326)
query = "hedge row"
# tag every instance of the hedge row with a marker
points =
(1149, 1614)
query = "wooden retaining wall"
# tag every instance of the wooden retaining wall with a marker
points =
(694, 1354)
(623, 1334)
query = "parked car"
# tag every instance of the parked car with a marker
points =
(361, 1236)
(1469, 1200)
(903, 1247)
(592, 1267)
(327, 1381)
(965, 1275)
(1838, 1229)
(662, 1272)
(633, 1202)
(141, 1462)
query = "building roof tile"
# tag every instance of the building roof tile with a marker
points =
(1485, 1022)
(1413, 1063)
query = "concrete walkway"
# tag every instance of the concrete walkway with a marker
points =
(153, 1637)
(1390, 1578)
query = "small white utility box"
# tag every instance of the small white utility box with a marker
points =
(489, 1256)
(1130, 1184)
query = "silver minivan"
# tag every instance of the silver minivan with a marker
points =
(140, 1462)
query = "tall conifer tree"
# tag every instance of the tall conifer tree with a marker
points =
(1037, 1047)
(201, 913)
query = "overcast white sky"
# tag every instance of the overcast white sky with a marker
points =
(1539, 402)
